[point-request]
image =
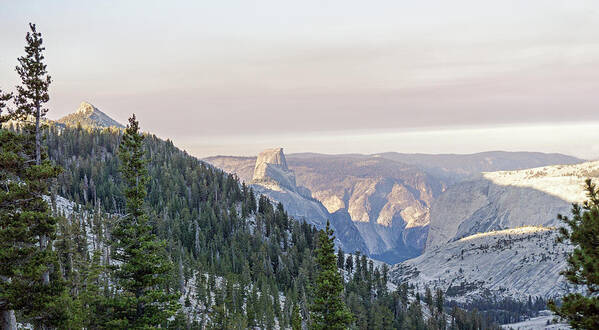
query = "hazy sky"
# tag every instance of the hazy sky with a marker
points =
(233, 77)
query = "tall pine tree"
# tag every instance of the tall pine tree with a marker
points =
(328, 310)
(33, 282)
(582, 310)
(11, 164)
(142, 265)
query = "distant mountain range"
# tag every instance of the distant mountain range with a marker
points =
(455, 167)
(389, 200)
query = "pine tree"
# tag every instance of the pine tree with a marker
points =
(349, 263)
(250, 307)
(33, 92)
(340, 259)
(32, 283)
(90, 304)
(11, 164)
(143, 266)
(582, 310)
(296, 318)
(439, 300)
(328, 310)
(414, 319)
(428, 298)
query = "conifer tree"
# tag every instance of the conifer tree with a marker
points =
(296, 319)
(328, 310)
(439, 300)
(428, 298)
(143, 266)
(349, 263)
(91, 300)
(340, 258)
(251, 307)
(32, 283)
(582, 310)
(10, 166)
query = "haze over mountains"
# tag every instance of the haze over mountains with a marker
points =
(472, 225)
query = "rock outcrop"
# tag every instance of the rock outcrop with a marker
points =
(271, 170)
(89, 116)
(512, 263)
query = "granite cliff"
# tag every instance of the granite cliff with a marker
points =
(274, 179)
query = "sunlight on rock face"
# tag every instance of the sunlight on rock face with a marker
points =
(565, 181)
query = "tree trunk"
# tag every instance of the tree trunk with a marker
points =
(8, 320)
(197, 237)
(38, 161)
(44, 246)
(38, 137)
(181, 275)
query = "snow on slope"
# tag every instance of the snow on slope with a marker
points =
(508, 263)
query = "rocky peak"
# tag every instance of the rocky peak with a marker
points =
(86, 108)
(274, 156)
(271, 170)
(89, 116)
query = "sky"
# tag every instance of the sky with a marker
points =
(235, 77)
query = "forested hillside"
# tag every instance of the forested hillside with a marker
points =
(240, 261)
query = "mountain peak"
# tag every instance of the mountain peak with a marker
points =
(86, 107)
(274, 156)
(89, 116)
(271, 167)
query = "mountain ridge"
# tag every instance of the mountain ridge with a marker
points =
(507, 199)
